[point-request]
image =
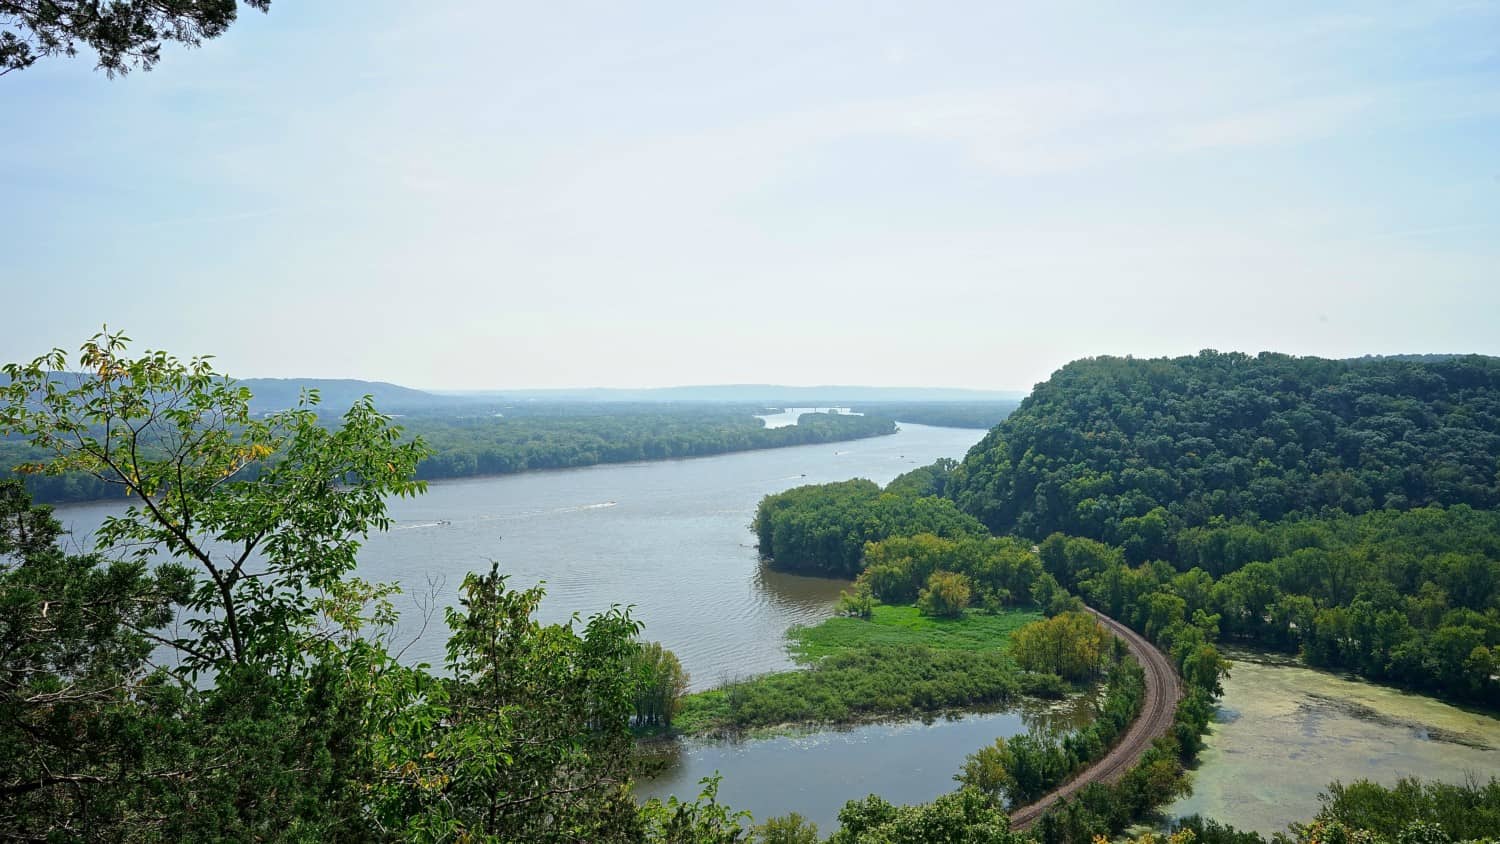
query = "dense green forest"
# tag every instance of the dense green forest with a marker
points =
(1274, 494)
(551, 437)
(931, 479)
(823, 529)
(1411, 598)
(1124, 449)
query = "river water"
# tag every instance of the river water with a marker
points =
(672, 538)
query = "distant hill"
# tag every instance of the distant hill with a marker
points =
(339, 393)
(772, 394)
(269, 394)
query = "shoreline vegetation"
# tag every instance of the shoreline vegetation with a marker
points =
(896, 664)
(906, 544)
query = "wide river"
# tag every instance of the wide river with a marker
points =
(672, 538)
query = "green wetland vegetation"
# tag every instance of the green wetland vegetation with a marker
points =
(906, 625)
(880, 681)
(1341, 511)
(898, 663)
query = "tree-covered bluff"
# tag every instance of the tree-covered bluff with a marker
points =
(1336, 508)
(1124, 449)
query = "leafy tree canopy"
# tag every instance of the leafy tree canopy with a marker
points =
(823, 529)
(126, 34)
(1125, 450)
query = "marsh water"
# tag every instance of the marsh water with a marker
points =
(1283, 731)
(671, 538)
(816, 773)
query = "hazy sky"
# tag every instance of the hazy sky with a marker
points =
(483, 194)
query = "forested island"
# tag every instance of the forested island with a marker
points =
(533, 438)
(468, 447)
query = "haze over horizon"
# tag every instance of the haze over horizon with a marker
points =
(482, 196)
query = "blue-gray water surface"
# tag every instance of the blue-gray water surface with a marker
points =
(672, 538)
(816, 773)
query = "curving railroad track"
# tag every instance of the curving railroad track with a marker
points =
(1163, 690)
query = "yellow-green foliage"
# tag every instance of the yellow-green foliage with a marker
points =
(1000, 570)
(946, 595)
(1072, 645)
(659, 683)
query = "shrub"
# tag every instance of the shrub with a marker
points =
(946, 595)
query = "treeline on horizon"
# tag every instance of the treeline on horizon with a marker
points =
(467, 447)
(462, 447)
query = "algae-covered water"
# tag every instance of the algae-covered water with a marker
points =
(1285, 731)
